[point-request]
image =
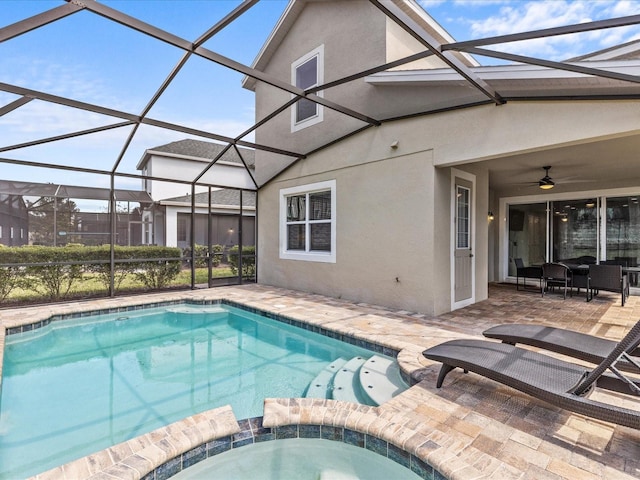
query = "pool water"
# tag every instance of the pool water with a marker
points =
(78, 386)
(299, 459)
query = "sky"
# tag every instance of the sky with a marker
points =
(88, 58)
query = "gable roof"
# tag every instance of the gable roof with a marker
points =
(624, 51)
(295, 7)
(224, 197)
(191, 149)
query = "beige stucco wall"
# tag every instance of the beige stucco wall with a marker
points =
(393, 220)
(400, 44)
(394, 216)
(353, 35)
(385, 234)
(488, 132)
(394, 205)
(356, 36)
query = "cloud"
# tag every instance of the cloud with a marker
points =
(516, 17)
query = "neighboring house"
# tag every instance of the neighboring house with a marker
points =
(93, 228)
(398, 214)
(14, 221)
(225, 227)
(171, 213)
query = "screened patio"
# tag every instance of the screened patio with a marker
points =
(92, 158)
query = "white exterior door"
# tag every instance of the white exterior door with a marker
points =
(463, 240)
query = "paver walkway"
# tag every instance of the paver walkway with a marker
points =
(471, 428)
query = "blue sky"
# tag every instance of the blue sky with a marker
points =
(87, 58)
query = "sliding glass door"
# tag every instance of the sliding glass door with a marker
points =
(580, 231)
(527, 234)
(574, 234)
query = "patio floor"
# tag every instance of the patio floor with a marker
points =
(471, 428)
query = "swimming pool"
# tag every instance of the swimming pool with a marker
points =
(77, 386)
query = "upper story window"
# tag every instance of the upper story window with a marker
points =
(308, 222)
(307, 72)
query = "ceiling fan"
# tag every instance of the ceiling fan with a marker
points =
(546, 183)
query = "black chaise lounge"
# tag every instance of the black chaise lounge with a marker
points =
(567, 342)
(563, 384)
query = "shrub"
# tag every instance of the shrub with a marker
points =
(201, 255)
(103, 269)
(248, 260)
(10, 277)
(46, 275)
(154, 273)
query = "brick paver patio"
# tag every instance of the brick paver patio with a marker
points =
(471, 428)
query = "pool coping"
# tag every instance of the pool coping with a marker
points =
(189, 440)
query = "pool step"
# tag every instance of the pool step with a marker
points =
(381, 380)
(369, 382)
(320, 387)
(346, 383)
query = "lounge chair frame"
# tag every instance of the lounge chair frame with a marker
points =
(563, 384)
(588, 348)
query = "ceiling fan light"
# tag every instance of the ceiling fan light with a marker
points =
(546, 184)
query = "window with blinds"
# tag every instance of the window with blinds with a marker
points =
(309, 222)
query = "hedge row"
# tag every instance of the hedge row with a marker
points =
(38, 268)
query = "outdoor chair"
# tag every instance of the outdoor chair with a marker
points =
(561, 383)
(590, 348)
(556, 275)
(608, 278)
(526, 272)
(630, 262)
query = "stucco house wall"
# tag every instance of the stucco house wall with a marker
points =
(355, 36)
(394, 187)
(378, 258)
(393, 221)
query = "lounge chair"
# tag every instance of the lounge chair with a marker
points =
(563, 384)
(586, 347)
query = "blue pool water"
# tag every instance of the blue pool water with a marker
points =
(290, 459)
(78, 386)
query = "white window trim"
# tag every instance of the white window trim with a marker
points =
(317, 118)
(312, 256)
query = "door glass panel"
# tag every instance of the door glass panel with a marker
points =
(575, 231)
(623, 233)
(462, 217)
(527, 234)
